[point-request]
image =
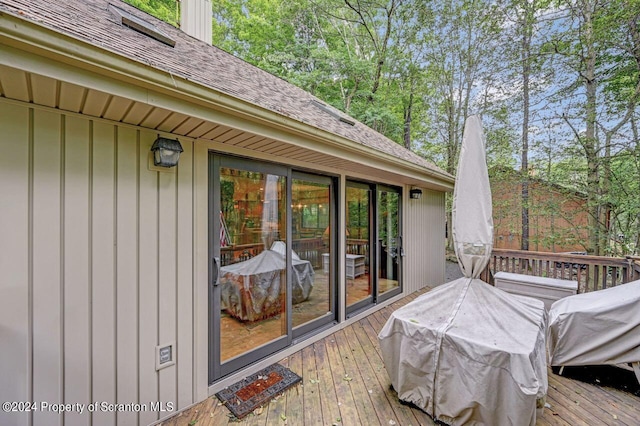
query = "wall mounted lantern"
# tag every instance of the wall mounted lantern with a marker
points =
(166, 152)
(415, 193)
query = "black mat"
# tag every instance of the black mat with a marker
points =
(256, 390)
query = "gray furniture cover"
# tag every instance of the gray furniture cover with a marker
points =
(600, 327)
(251, 290)
(467, 352)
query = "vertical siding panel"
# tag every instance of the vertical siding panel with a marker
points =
(167, 258)
(14, 259)
(426, 243)
(103, 292)
(201, 271)
(192, 23)
(437, 232)
(148, 281)
(127, 272)
(411, 234)
(47, 380)
(438, 243)
(77, 372)
(184, 338)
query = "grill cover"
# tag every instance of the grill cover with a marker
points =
(251, 290)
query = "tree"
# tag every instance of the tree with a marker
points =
(458, 41)
(526, 20)
(595, 49)
(167, 10)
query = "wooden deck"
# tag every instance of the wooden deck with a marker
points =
(345, 383)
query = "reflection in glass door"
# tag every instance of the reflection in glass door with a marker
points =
(312, 218)
(389, 241)
(359, 286)
(272, 269)
(249, 268)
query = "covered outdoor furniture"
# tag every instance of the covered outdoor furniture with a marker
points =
(252, 290)
(600, 327)
(467, 352)
(546, 289)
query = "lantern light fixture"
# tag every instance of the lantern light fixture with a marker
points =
(415, 193)
(166, 152)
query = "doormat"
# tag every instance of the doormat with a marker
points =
(251, 392)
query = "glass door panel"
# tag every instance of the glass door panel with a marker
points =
(311, 218)
(389, 239)
(250, 293)
(358, 231)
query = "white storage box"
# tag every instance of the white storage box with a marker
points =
(546, 289)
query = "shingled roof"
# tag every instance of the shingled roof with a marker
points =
(200, 63)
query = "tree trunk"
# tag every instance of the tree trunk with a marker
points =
(452, 153)
(407, 121)
(524, 171)
(590, 142)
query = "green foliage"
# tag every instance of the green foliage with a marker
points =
(166, 10)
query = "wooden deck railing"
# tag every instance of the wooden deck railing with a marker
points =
(591, 272)
(308, 249)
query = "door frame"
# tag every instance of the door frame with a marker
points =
(400, 249)
(370, 300)
(217, 370)
(331, 318)
(374, 256)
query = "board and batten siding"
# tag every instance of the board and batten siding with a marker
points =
(424, 241)
(195, 19)
(96, 268)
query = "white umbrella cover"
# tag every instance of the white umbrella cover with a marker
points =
(472, 213)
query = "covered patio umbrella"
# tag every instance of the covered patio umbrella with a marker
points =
(466, 352)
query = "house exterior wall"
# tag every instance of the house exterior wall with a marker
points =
(424, 237)
(97, 261)
(103, 259)
(557, 219)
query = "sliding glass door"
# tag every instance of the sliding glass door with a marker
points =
(271, 270)
(373, 258)
(358, 260)
(250, 298)
(389, 237)
(273, 256)
(313, 218)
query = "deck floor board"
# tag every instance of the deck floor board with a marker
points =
(366, 370)
(346, 401)
(367, 410)
(345, 383)
(312, 406)
(295, 407)
(402, 412)
(572, 395)
(326, 386)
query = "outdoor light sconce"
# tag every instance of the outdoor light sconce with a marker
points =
(415, 193)
(166, 152)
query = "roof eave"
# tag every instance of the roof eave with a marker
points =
(30, 36)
